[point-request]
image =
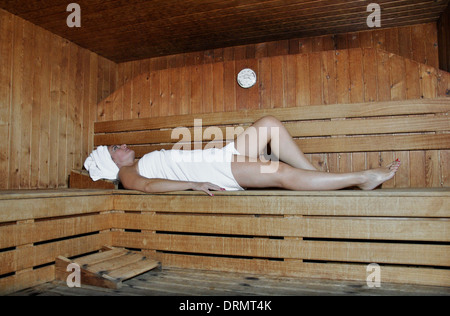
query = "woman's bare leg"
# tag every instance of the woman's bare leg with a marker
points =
(249, 175)
(269, 130)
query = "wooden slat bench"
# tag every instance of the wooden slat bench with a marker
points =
(37, 226)
(332, 235)
(362, 127)
(309, 234)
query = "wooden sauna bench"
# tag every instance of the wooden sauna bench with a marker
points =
(306, 234)
(325, 235)
(36, 226)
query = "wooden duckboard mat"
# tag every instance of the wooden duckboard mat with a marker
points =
(107, 268)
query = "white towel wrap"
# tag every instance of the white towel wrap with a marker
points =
(100, 165)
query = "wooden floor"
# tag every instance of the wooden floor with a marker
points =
(181, 282)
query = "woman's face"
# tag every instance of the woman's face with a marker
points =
(121, 155)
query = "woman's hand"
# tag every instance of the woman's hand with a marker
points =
(206, 187)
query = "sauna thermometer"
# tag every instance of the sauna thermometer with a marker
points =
(246, 78)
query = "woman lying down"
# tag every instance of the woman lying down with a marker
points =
(234, 167)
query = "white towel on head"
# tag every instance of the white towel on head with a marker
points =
(100, 164)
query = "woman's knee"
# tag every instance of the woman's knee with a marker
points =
(269, 121)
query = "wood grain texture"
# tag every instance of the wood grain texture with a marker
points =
(315, 234)
(331, 235)
(37, 226)
(50, 90)
(124, 31)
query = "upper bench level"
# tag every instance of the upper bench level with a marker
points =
(337, 138)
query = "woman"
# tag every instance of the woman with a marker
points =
(164, 171)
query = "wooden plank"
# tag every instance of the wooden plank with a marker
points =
(419, 36)
(356, 76)
(431, 44)
(336, 203)
(16, 100)
(373, 143)
(394, 274)
(6, 51)
(407, 107)
(290, 81)
(63, 116)
(354, 228)
(445, 167)
(315, 77)
(185, 91)
(44, 130)
(328, 70)
(126, 89)
(297, 129)
(428, 82)
(432, 169)
(15, 235)
(164, 92)
(383, 76)
(113, 263)
(35, 208)
(302, 81)
(100, 257)
(55, 98)
(398, 77)
(412, 70)
(80, 179)
(290, 248)
(35, 194)
(417, 169)
(136, 268)
(342, 77)
(28, 257)
(346, 144)
(196, 90)
(26, 279)
(286, 227)
(369, 126)
(443, 84)
(370, 75)
(155, 95)
(146, 108)
(207, 87)
(218, 87)
(229, 73)
(30, 93)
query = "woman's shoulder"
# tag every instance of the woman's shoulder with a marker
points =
(129, 170)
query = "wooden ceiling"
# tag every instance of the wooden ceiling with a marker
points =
(124, 30)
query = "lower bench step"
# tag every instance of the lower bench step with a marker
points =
(107, 268)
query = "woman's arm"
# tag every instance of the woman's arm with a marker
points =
(133, 181)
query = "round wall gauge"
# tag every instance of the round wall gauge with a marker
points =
(246, 78)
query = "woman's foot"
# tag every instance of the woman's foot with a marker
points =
(375, 177)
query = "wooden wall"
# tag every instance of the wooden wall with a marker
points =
(49, 89)
(444, 40)
(205, 81)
